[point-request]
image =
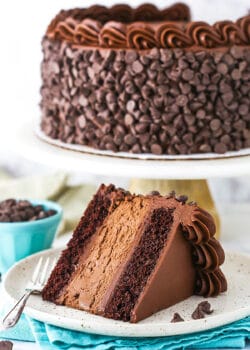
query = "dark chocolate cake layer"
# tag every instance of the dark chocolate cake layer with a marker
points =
(131, 256)
(146, 81)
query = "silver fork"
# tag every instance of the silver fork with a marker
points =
(35, 286)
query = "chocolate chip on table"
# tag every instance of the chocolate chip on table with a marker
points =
(205, 306)
(176, 318)
(12, 210)
(198, 314)
(202, 308)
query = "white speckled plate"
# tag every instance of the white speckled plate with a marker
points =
(232, 306)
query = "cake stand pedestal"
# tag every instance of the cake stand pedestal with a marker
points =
(185, 176)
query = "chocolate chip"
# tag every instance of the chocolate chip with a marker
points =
(185, 88)
(130, 106)
(183, 198)
(156, 149)
(225, 139)
(205, 148)
(130, 56)
(137, 67)
(130, 139)
(198, 314)
(205, 306)
(215, 124)
(236, 52)
(243, 109)
(181, 100)
(82, 122)
(129, 120)
(188, 74)
(228, 59)
(236, 74)
(220, 148)
(222, 68)
(176, 318)
(141, 128)
(154, 193)
(4, 218)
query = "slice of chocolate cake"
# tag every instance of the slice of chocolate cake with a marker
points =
(131, 256)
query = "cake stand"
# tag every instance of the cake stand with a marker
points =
(185, 176)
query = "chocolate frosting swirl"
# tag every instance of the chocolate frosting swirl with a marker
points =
(87, 32)
(113, 34)
(204, 35)
(244, 24)
(117, 27)
(140, 36)
(230, 33)
(208, 254)
(171, 36)
(65, 30)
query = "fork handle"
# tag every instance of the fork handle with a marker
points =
(13, 316)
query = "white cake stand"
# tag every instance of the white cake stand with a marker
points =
(185, 176)
(31, 147)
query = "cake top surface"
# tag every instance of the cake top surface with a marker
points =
(145, 27)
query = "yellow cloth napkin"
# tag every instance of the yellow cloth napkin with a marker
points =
(73, 199)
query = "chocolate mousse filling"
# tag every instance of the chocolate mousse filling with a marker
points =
(140, 266)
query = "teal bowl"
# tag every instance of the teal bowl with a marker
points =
(21, 239)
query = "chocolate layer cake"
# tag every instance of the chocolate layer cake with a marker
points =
(146, 80)
(131, 256)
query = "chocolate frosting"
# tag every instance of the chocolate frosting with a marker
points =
(65, 30)
(169, 35)
(202, 34)
(147, 13)
(231, 33)
(244, 24)
(87, 32)
(145, 27)
(122, 13)
(208, 254)
(113, 34)
(140, 36)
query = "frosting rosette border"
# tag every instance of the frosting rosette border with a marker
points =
(145, 27)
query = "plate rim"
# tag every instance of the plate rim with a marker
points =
(210, 322)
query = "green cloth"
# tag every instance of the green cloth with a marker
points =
(73, 199)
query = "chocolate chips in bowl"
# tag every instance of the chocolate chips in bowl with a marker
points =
(26, 227)
(12, 210)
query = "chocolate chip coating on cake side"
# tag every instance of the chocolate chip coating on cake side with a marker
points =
(160, 101)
